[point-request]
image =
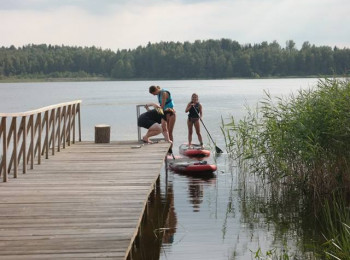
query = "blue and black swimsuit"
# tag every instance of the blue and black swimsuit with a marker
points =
(169, 102)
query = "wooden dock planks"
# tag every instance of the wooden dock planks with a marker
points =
(86, 202)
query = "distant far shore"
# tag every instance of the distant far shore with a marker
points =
(84, 79)
(201, 60)
(43, 79)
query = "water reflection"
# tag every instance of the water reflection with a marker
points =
(160, 221)
(195, 193)
(158, 224)
(196, 189)
(277, 218)
(235, 217)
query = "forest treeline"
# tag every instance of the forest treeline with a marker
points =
(223, 58)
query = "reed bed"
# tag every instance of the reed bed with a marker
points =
(301, 143)
(302, 140)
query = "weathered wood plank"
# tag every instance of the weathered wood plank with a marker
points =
(86, 202)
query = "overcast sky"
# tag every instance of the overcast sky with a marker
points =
(123, 24)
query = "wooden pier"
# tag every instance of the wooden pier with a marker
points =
(85, 202)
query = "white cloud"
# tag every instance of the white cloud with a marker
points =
(133, 23)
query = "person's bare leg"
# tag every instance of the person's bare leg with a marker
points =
(198, 132)
(171, 123)
(171, 119)
(155, 129)
(190, 131)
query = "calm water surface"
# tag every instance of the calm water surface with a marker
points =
(192, 218)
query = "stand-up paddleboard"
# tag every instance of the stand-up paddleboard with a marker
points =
(195, 150)
(191, 167)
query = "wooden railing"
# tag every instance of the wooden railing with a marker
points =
(30, 135)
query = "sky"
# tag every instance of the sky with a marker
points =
(127, 24)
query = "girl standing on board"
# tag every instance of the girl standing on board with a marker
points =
(195, 113)
(165, 101)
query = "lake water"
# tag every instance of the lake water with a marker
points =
(198, 218)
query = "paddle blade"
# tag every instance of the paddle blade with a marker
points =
(218, 150)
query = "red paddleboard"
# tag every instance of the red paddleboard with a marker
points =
(195, 150)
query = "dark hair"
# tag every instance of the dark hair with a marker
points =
(153, 88)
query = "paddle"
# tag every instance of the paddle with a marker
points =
(171, 152)
(217, 149)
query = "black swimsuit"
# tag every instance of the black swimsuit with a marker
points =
(149, 118)
(193, 114)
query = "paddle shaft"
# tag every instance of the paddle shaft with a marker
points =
(206, 130)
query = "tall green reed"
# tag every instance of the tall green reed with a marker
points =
(301, 144)
(335, 217)
(302, 140)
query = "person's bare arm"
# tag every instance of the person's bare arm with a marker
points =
(164, 98)
(151, 105)
(189, 105)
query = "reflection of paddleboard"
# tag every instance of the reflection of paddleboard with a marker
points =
(189, 166)
(194, 151)
(176, 157)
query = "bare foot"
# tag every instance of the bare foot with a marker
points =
(146, 141)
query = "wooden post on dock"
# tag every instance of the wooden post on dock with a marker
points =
(102, 133)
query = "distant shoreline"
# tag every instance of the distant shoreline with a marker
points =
(28, 80)
(92, 79)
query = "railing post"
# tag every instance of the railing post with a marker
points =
(4, 149)
(73, 114)
(79, 122)
(69, 122)
(53, 130)
(39, 137)
(15, 140)
(58, 115)
(47, 134)
(64, 126)
(31, 120)
(138, 128)
(24, 144)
